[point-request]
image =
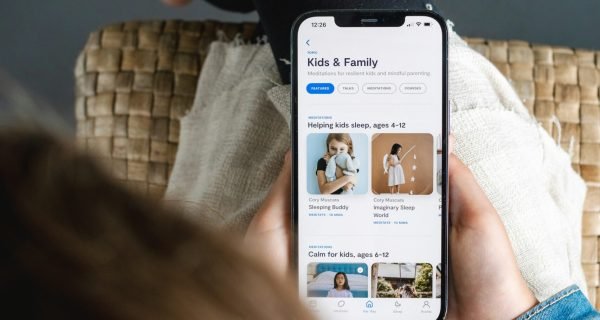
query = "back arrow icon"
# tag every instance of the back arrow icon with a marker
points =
(307, 42)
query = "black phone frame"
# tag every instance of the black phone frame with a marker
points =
(385, 18)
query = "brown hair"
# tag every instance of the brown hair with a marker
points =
(341, 137)
(77, 245)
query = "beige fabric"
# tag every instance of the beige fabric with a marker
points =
(233, 140)
(527, 177)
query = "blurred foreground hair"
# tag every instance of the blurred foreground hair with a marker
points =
(78, 246)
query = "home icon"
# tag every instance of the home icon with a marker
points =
(369, 304)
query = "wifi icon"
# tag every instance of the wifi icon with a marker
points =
(418, 24)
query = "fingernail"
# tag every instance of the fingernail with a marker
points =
(288, 157)
(451, 142)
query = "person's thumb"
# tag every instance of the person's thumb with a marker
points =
(274, 210)
(468, 204)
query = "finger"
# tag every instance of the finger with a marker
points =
(468, 203)
(451, 143)
(473, 220)
(176, 3)
(274, 211)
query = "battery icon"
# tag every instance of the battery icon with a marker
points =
(427, 24)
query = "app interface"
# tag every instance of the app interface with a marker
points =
(369, 185)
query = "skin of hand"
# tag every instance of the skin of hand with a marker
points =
(485, 281)
(269, 234)
(348, 187)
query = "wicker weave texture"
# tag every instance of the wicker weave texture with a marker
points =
(135, 80)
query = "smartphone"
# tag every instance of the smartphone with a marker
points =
(369, 140)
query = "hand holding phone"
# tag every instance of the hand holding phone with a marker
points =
(483, 263)
(472, 292)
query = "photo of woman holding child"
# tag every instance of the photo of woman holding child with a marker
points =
(340, 169)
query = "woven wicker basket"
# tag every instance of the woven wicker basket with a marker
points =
(135, 80)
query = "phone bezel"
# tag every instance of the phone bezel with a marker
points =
(445, 127)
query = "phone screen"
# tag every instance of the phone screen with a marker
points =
(369, 135)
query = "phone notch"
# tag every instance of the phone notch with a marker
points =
(372, 19)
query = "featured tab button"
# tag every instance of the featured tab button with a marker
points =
(320, 88)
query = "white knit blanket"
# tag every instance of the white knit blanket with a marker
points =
(233, 141)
